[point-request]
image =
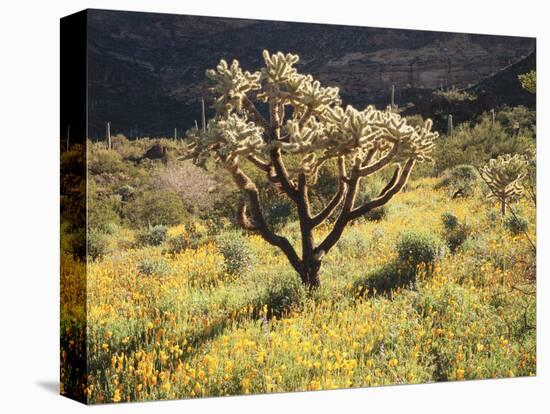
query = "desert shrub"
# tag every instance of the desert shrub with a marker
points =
(98, 244)
(110, 228)
(353, 243)
(193, 236)
(477, 143)
(493, 217)
(415, 120)
(198, 233)
(125, 192)
(278, 213)
(516, 224)
(237, 254)
(517, 120)
(103, 161)
(464, 172)
(102, 211)
(119, 141)
(152, 236)
(455, 233)
(148, 267)
(377, 236)
(377, 214)
(383, 279)
(153, 208)
(454, 94)
(461, 179)
(283, 293)
(457, 236)
(418, 247)
(178, 243)
(195, 187)
(450, 221)
(216, 225)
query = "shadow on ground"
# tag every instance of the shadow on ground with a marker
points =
(51, 386)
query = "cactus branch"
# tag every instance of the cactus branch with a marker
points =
(388, 194)
(257, 222)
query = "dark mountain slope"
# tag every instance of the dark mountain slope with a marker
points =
(146, 71)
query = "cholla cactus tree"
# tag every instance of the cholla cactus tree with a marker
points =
(306, 121)
(503, 175)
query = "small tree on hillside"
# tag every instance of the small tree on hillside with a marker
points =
(503, 175)
(529, 81)
(304, 121)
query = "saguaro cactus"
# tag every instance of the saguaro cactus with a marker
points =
(503, 175)
(450, 125)
(108, 134)
(306, 121)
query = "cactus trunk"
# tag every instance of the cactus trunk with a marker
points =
(310, 274)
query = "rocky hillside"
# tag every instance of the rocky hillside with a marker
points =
(146, 71)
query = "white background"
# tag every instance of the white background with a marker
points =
(29, 278)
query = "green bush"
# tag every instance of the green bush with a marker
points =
(237, 254)
(148, 267)
(418, 247)
(109, 228)
(450, 221)
(153, 236)
(154, 208)
(377, 214)
(278, 213)
(198, 234)
(383, 279)
(516, 224)
(353, 243)
(102, 211)
(477, 143)
(178, 243)
(98, 244)
(103, 161)
(283, 293)
(493, 217)
(125, 192)
(517, 120)
(455, 233)
(456, 237)
(460, 180)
